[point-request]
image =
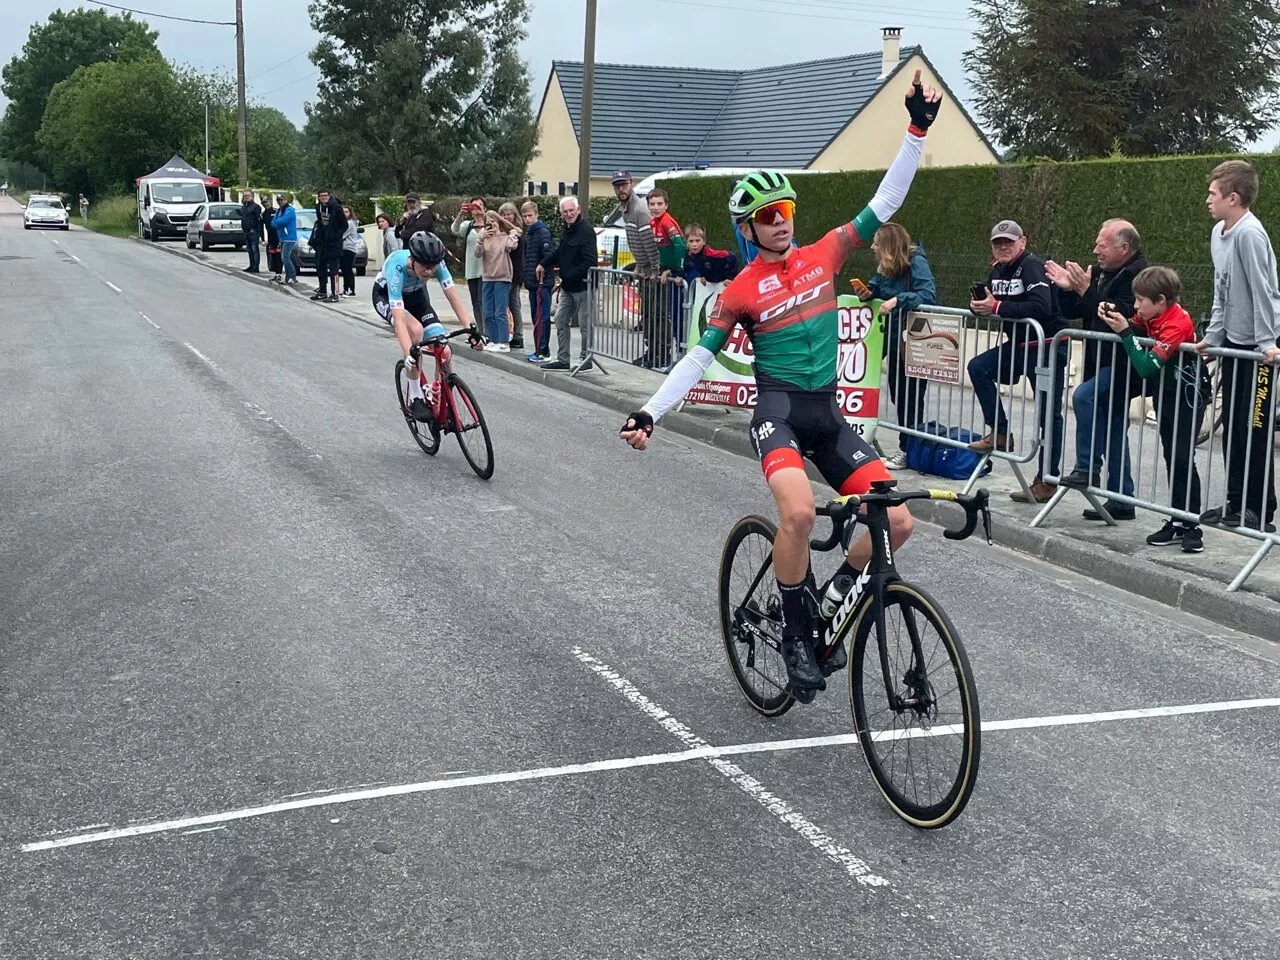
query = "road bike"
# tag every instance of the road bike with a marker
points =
(453, 406)
(900, 685)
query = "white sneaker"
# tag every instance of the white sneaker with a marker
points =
(504, 348)
(896, 461)
(493, 347)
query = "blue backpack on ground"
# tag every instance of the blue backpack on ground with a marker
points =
(953, 463)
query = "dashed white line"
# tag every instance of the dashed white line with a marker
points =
(187, 833)
(201, 355)
(55, 241)
(74, 257)
(149, 825)
(149, 320)
(113, 286)
(840, 855)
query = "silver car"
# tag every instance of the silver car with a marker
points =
(45, 212)
(215, 224)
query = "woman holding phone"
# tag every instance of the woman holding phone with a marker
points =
(904, 282)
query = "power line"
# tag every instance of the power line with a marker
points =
(290, 83)
(808, 16)
(281, 64)
(164, 16)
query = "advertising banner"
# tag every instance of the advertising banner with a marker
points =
(730, 380)
(931, 346)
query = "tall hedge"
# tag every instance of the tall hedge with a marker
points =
(950, 211)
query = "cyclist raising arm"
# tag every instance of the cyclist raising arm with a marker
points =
(400, 297)
(785, 300)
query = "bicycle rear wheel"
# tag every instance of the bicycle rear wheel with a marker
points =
(470, 426)
(427, 435)
(923, 746)
(751, 616)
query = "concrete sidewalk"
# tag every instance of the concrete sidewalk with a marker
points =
(1115, 555)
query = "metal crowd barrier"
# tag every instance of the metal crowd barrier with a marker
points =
(1215, 433)
(938, 391)
(638, 320)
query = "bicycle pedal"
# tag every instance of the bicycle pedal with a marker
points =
(834, 659)
(800, 694)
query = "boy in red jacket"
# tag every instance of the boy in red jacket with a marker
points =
(1180, 395)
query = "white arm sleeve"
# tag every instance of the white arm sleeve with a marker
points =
(897, 179)
(679, 381)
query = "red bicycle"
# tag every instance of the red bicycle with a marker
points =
(453, 405)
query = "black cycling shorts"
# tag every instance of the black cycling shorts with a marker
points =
(416, 303)
(790, 425)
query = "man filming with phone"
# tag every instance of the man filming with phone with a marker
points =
(1017, 289)
(469, 225)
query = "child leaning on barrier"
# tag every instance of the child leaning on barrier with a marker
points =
(1179, 384)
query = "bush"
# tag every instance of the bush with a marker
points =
(117, 216)
(361, 205)
(392, 206)
(1060, 205)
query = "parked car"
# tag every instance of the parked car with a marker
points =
(213, 224)
(304, 258)
(45, 211)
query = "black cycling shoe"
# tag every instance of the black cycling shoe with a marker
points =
(831, 659)
(802, 668)
(419, 409)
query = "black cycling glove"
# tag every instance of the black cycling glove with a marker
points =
(640, 420)
(923, 113)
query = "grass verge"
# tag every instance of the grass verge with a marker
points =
(115, 216)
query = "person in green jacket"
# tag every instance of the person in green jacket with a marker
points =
(1180, 387)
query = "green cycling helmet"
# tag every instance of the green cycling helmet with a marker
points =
(756, 190)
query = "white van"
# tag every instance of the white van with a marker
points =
(611, 236)
(167, 199)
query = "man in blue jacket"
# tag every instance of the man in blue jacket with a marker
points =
(286, 224)
(538, 247)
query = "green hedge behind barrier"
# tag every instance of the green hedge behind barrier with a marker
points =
(950, 211)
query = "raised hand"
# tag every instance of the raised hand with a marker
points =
(922, 103)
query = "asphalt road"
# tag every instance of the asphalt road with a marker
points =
(229, 582)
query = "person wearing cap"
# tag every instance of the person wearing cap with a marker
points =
(1017, 288)
(636, 219)
(415, 218)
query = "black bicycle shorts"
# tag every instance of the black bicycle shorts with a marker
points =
(788, 426)
(416, 303)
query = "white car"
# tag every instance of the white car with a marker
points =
(45, 212)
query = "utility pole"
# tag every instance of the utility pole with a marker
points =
(206, 138)
(588, 86)
(240, 128)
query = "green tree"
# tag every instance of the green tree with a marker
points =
(1068, 79)
(449, 92)
(53, 51)
(111, 122)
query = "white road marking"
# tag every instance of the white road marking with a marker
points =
(74, 257)
(55, 241)
(840, 855)
(148, 825)
(113, 286)
(262, 415)
(201, 355)
(187, 833)
(149, 320)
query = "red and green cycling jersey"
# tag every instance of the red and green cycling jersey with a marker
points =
(788, 308)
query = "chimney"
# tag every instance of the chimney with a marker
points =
(889, 53)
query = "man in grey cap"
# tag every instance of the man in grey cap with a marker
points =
(416, 217)
(635, 218)
(1017, 289)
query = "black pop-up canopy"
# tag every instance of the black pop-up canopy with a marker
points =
(179, 168)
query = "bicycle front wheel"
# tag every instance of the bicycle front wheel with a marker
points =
(427, 435)
(469, 425)
(919, 726)
(751, 616)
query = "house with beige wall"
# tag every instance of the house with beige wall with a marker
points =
(839, 114)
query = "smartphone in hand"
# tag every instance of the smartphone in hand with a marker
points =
(978, 291)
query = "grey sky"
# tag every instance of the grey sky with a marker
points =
(709, 33)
